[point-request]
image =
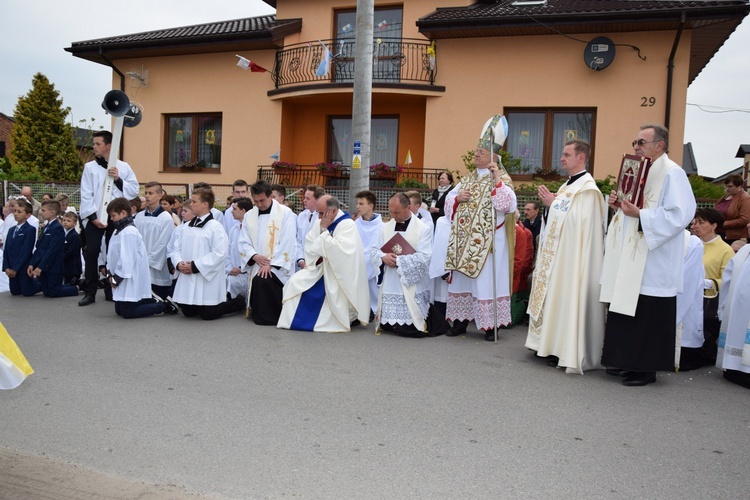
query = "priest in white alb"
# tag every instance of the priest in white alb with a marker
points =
(566, 319)
(643, 261)
(267, 245)
(330, 292)
(404, 301)
(734, 310)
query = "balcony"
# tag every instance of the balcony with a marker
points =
(304, 175)
(395, 61)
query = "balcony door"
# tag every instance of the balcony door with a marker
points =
(387, 53)
(383, 138)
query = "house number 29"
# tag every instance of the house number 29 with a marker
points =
(647, 102)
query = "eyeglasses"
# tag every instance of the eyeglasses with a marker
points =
(641, 142)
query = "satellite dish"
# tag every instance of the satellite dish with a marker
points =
(599, 53)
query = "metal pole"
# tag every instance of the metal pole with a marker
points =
(359, 178)
(494, 230)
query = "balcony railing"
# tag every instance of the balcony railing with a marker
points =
(395, 60)
(304, 175)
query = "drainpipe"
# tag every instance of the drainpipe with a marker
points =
(122, 87)
(670, 70)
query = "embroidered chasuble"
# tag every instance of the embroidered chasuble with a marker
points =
(472, 237)
(566, 319)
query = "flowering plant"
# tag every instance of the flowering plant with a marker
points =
(283, 165)
(329, 167)
(192, 164)
(382, 168)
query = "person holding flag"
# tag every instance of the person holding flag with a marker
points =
(480, 247)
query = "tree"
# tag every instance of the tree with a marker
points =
(43, 142)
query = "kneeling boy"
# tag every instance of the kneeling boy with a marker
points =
(127, 267)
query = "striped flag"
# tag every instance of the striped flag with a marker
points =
(248, 64)
(13, 365)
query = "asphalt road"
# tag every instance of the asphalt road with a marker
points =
(229, 409)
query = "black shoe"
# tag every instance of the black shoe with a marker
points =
(170, 308)
(87, 299)
(489, 335)
(616, 372)
(457, 329)
(638, 379)
(552, 361)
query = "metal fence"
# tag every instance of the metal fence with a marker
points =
(295, 194)
(395, 60)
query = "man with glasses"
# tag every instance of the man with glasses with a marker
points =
(643, 261)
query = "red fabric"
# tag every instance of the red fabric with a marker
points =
(523, 258)
(257, 69)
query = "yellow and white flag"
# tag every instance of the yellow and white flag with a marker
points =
(408, 157)
(13, 365)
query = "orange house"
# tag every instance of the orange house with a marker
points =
(555, 68)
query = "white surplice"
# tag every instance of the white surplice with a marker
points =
(369, 232)
(127, 258)
(690, 299)
(734, 311)
(405, 291)
(207, 248)
(156, 232)
(236, 285)
(92, 187)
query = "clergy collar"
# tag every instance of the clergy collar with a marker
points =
(201, 220)
(575, 177)
(266, 211)
(402, 226)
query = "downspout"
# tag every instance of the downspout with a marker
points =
(122, 87)
(670, 70)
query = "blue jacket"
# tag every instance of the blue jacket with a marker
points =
(50, 249)
(72, 259)
(18, 248)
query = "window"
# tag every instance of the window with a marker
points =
(383, 139)
(537, 136)
(387, 53)
(193, 141)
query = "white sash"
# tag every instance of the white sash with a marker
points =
(551, 240)
(625, 253)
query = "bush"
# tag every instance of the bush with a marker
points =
(704, 189)
(412, 184)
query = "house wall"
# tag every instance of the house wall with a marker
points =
(318, 22)
(251, 122)
(305, 125)
(6, 129)
(483, 76)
